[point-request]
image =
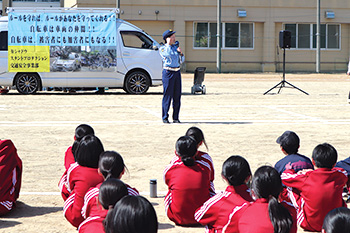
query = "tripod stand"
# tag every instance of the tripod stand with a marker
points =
(283, 83)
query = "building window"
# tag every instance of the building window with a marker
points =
(205, 35)
(304, 36)
(235, 35)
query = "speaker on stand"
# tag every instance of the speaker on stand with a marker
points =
(285, 41)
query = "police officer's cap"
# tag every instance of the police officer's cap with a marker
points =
(168, 33)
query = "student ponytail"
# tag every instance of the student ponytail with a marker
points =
(236, 170)
(280, 217)
(88, 151)
(186, 148)
(267, 184)
(111, 164)
(111, 191)
(197, 135)
(81, 131)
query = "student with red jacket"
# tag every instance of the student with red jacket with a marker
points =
(69, 158)
(266, 214)
(110, 192)
(81, 131)
(111, 165)
(81, 176)
(188, 181)
(11, 176)
(315, 192)
(201, 156)
(215, 212)
(198, 136)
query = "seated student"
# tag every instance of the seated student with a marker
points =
(315, 192)
(81, 176)
(11, 176)
(134, 214)
(198, 136)
(80, 132)
(111, 191)
(69, 158)
(110, 165)
(345, 164)
(266, 214)
(214, 213)
(188, 183)
(337, 221)
(290, 143)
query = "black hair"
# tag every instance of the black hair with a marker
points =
(111, 191)
(290, 149)
(324, 155)
(267, 184)
(88, 151)
(81, 131)
(236, 169)
(111, 164)
(197, 134)
(186, 148)
(290, 142)
(337, 221)
(132, 214)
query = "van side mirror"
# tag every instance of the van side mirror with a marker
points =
(155, 47)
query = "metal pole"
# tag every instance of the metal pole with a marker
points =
(318, 37)
(118, 6)
(218, 37)
(284, 64)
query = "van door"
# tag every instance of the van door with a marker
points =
(137, 52)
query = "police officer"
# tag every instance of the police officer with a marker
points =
(171, 76)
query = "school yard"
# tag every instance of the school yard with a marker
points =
(235, 116)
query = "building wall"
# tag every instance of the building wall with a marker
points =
(10, 3)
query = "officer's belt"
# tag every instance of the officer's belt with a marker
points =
(171, 69)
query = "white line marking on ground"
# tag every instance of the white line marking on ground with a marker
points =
(184, 121)
(58, 193)
(276, 108)
(41, 193)
(149, 111)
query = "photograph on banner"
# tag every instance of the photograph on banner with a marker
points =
(75, 41)
(82, 58)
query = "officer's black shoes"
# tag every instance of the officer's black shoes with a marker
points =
(166, 121)
(176, 121)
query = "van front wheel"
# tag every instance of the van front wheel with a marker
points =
(137, 82)
(27, 83)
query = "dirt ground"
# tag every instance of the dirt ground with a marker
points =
(235, 116)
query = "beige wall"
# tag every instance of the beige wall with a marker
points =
(154, 28)
(268, 18)
(10, 3)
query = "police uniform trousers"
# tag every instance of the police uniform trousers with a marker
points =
(171, 91)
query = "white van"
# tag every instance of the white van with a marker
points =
(132, 63)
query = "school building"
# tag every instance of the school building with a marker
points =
(250, 31)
